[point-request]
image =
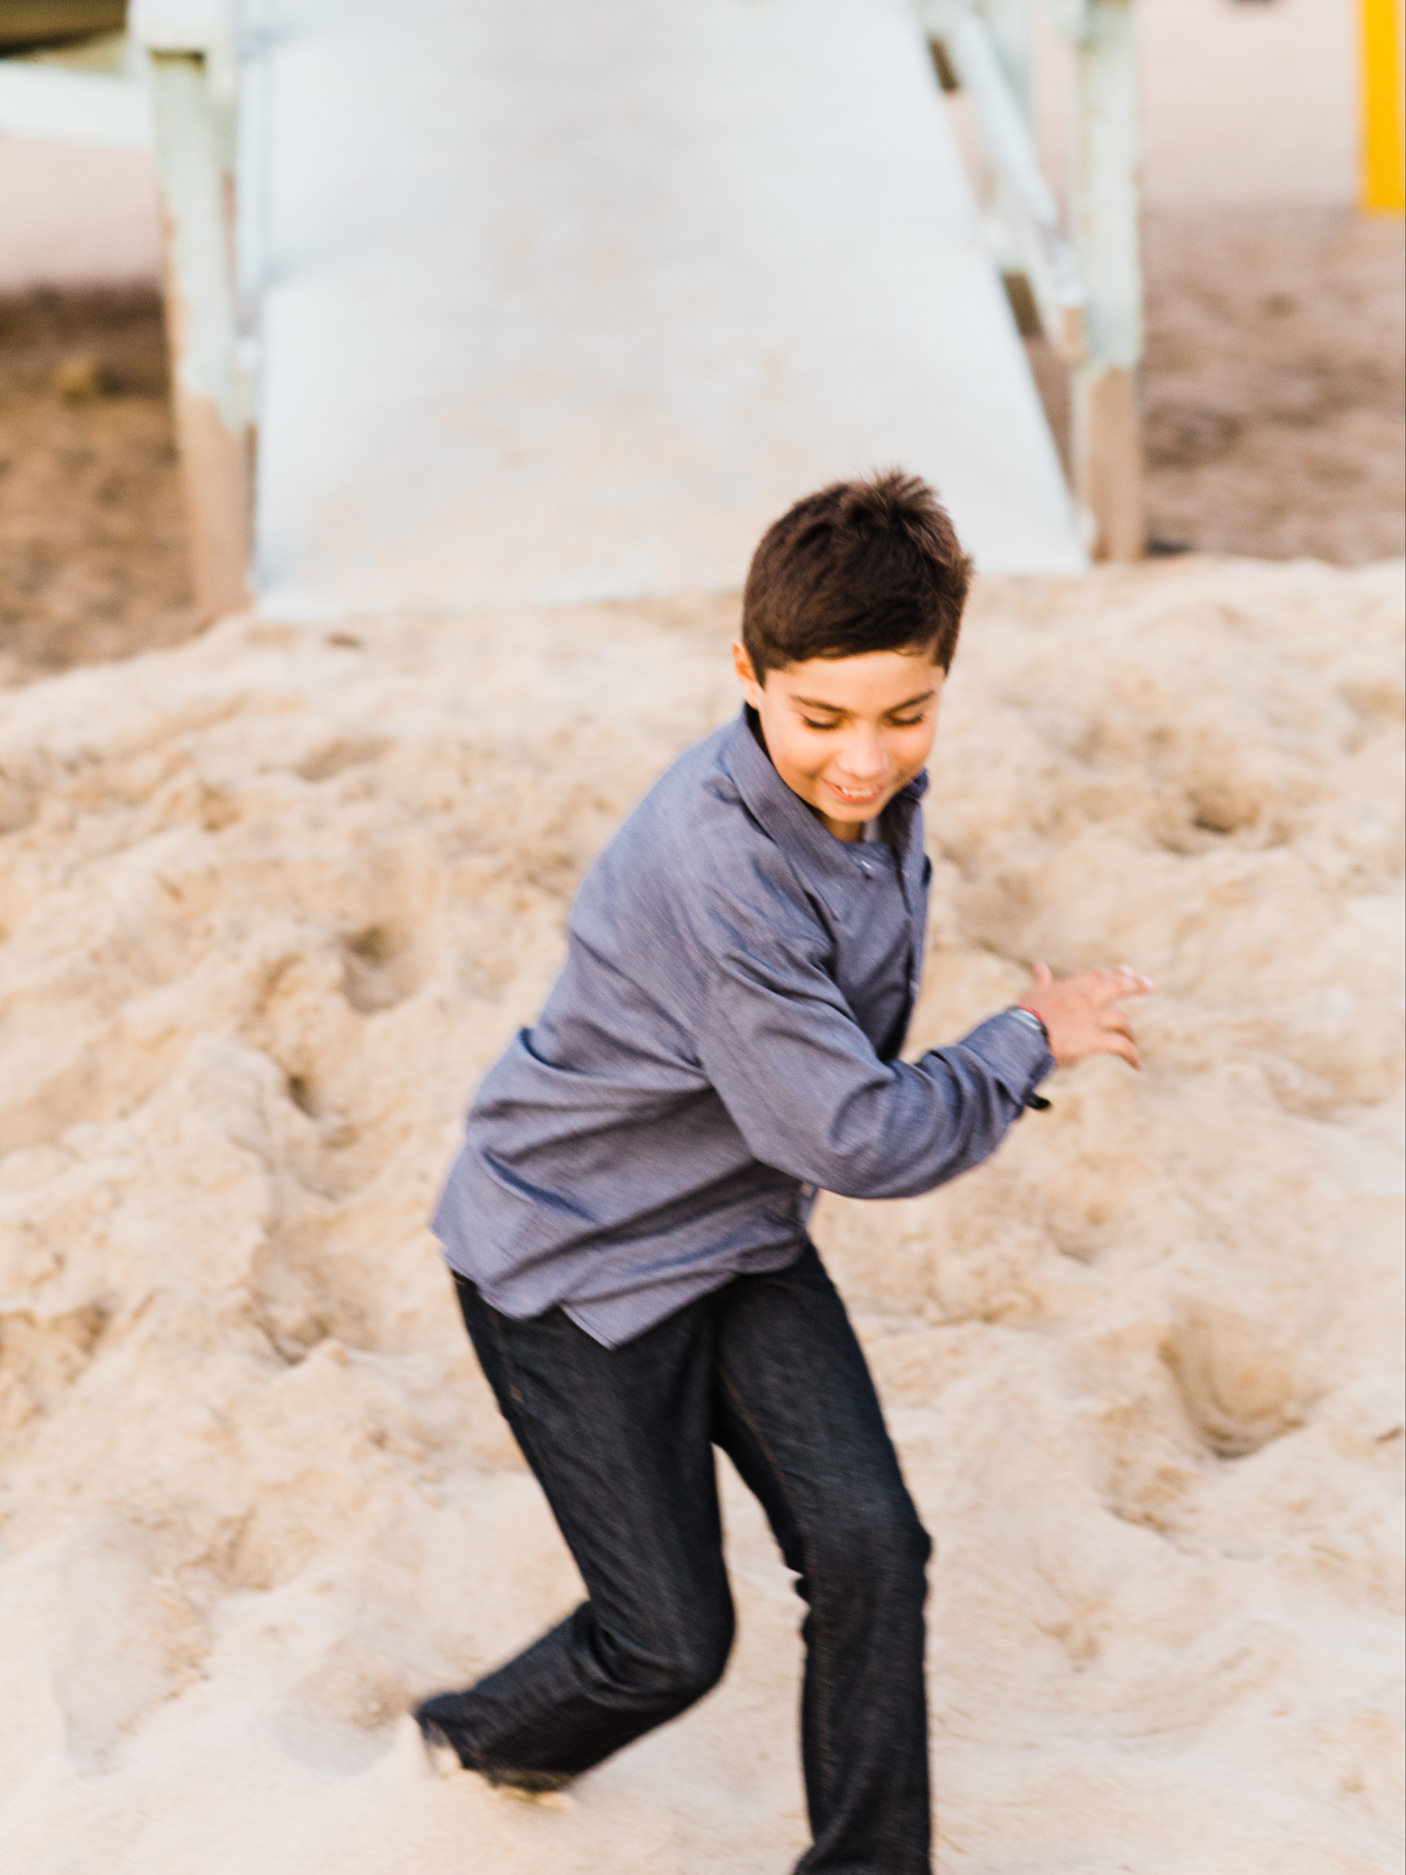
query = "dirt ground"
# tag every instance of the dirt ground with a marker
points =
(1272, 383)
(92, 533)
(1273, 393)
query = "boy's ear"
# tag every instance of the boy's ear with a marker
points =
(746, 674)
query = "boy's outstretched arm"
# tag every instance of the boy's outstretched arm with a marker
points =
(811, 1096)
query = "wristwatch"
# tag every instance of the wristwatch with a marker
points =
(1028, 1015)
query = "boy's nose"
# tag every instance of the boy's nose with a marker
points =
(862, 762)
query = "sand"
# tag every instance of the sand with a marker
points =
(271, 901)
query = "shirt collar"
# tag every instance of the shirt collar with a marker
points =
(785, 816)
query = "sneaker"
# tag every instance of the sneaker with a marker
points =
(446, 1753)
(440, 1754)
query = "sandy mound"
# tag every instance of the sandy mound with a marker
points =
(269, 904)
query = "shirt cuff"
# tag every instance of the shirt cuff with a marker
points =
(1015, 1052)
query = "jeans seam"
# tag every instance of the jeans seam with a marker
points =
(820, 1649)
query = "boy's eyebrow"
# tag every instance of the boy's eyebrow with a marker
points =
(838, 709)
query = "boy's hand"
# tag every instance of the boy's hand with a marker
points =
(1081, 1013)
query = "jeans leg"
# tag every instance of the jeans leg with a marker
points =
(620, 1441)
(798, 1415)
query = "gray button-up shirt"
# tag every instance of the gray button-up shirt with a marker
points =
(721, 1043)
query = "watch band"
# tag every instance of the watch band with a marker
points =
(1029, 1015)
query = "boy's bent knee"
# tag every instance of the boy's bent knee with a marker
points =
(674, 1672)
(698, 1670)
(875, 1548)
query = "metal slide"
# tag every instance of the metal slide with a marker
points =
(566, 300)
(556, 300)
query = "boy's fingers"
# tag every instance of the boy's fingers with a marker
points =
(1100, 987)
(1126, 1048)
(1113, 985)
(1117, 1023)
(1138, 984)
(1105, 988)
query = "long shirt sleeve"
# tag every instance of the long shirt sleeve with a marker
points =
(811, 1096)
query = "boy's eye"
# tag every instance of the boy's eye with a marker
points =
(896, 722)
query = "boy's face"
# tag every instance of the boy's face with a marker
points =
(847, 733)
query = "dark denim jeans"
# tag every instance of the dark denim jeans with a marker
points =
(621, 1441)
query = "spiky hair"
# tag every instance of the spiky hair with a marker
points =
(870, 565)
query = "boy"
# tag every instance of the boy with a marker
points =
(626, 1222)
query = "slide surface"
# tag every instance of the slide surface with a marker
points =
(566, 299)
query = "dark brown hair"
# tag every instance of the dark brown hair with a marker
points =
(872, 565)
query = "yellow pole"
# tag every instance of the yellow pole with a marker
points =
(1383, 168)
